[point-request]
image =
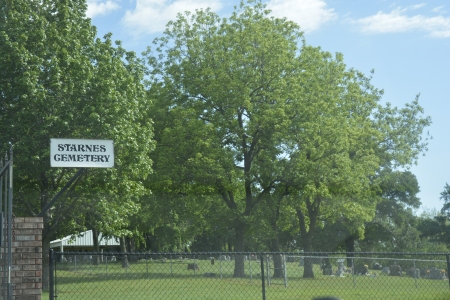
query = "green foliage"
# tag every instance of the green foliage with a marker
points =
(258, 134)
(277, 129)
(435, 228)
(445, 196)
(223, 98)
(58, 81)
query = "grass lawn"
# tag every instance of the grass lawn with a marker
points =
(173, 280)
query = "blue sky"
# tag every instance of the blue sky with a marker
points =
(407, 43)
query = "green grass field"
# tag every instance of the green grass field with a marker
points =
(172, 280)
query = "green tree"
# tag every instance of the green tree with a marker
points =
(402, 143)
(434, 232)
(58, 80)
(393, 228)
(226, 85)
(331, 140)
(253, 116)
(445, 196)
(436, 228)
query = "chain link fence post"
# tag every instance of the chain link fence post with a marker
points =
(220, 266)
(415, 272)
(51, 275)
(263, 284)
(285, 271)
(250, 266)
(353, 273)
(448, 267)
(195, 266)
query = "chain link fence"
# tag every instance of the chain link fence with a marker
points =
(88, 275)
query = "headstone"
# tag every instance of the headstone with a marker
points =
(193, 267)
(425, 272)
(340, 268)
(436, 273)
(326, 267)
(301, 262)
(361, 270)
(377, 266)
(395, 270)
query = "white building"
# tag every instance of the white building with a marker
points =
(84, 242)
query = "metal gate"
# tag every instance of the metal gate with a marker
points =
(6, 236)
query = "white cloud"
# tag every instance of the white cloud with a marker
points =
(439, 9)
(309, 14)
(97, 7)
(151, 16)
(417, 6)
(398, 21)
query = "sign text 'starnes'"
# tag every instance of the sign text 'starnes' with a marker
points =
(81, 148)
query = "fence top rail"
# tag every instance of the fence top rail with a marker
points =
(299, 254)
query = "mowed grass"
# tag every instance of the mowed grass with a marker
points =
(173, 280)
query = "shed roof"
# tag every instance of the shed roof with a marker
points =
(84, 239)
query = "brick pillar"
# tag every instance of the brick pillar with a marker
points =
(26, 275)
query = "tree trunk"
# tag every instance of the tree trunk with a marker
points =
(95, 258)
(130, 248)
(278, 271)
(278, 263)
(277, 259)
(350, 249)
(239, 270)
(123, 249)
(307, 232)
(308, 260)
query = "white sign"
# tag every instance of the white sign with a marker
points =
(81, 153)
